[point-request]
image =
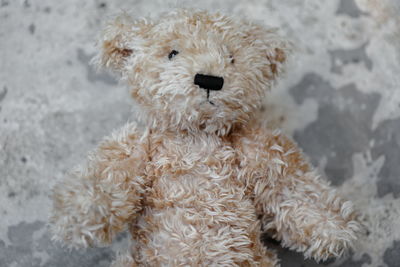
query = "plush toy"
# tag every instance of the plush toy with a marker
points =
(204, 179)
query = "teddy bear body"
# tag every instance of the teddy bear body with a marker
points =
(204, 179)
(196, 204)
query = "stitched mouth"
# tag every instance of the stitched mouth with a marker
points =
(208, 98)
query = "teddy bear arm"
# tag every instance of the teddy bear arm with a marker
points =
(296, 206)
(308, 215)
(96, 200)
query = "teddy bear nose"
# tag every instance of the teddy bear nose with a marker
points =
(209, 82)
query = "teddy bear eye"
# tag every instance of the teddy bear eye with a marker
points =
(232, 59)
(172, 54)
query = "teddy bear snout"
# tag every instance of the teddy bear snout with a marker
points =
(208, 82)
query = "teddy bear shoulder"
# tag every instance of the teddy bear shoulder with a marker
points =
(125, 148)
(261, 147)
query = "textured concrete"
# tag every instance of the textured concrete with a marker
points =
(340, 100)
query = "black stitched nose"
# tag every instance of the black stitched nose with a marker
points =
(208, 82)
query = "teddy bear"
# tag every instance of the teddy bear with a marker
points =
(205, 177)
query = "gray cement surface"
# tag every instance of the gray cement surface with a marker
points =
(340, 100)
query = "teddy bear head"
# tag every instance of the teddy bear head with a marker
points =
(193, 70)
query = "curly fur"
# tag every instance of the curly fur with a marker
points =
(201, 183)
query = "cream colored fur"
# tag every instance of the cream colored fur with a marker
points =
(200, 182)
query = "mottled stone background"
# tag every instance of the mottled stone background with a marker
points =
(340, 100)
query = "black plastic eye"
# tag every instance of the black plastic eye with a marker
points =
(232, 59)
(172, 54)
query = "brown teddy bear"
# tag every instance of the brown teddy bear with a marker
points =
(204, 179)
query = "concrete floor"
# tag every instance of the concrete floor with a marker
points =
(340, 100)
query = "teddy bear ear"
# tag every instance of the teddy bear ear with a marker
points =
(276, 57)
(274, 48)
(116, 40)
